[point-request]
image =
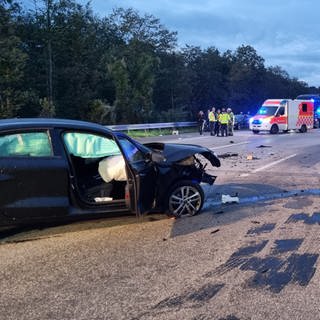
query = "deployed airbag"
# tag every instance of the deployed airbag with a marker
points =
(113, 168)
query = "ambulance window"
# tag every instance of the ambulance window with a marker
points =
(281, 111)
(304, 107)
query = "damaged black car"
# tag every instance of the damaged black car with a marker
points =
(58, 169)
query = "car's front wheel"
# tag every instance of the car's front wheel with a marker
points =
(274, 129)
(185, 199)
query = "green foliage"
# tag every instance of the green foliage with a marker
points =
(101, 112)
(47, 109)
(62, 60)
(12, 62)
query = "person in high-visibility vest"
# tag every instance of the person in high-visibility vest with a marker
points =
(224, 120)
(231, 122)
(212, 120)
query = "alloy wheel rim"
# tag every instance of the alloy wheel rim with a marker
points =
(185, 200)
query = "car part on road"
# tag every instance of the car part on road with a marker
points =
(226, 198)
(263, 146)
(227, 155)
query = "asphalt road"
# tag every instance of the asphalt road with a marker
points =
(254, 260)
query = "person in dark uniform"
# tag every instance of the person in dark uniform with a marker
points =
(201, 121)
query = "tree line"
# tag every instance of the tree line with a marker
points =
(60, 59)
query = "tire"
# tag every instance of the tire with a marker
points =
(303, 128)
(185, 198)
(255, 131)
(274, 129)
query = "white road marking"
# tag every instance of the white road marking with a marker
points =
(268, 165)
(229, 145)
(273, 163)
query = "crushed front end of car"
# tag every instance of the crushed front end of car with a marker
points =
(181, 170)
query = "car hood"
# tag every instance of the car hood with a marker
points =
(173, 152)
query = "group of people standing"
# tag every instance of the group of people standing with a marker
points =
(220, 122)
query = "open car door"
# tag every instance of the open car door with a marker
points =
(142, 179)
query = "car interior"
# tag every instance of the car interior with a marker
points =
(92, 187)
(99, 167)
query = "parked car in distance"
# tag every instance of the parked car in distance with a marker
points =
(241, 121)
(58, 169)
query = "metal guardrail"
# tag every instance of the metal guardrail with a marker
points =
(145, 126)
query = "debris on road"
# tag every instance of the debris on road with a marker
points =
(251, 157)
(219, 212)
(215, 231)
(226, 198)
(227, 155)
(255, 221)
(263, 146)
(231, 141)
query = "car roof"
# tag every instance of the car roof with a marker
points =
(16, 123)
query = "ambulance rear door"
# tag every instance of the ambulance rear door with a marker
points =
(293, 113)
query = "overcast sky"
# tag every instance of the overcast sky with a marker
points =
(284, 32)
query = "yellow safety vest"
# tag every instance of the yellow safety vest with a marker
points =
(224, 118)
(212, 116)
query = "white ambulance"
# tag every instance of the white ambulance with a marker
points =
(282, 115)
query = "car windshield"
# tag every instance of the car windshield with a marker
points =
(140, 146)
(267, 111)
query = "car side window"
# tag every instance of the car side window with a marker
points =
(87, 145)
(131, 151)
(27, 144)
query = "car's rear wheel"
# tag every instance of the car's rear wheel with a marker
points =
(185, 199)
(303, 128)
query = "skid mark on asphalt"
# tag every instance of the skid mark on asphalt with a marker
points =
(238, 258)
(286, 245)
(275, 269)
(272, 272)
(265, 228)
(205, 317)
(298, 203)
(189, 299)
(196, 298)
(230, 317)
(275, 273)
(314, 219)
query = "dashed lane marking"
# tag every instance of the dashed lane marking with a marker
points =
(268, 165)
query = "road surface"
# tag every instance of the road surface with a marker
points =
(254, 260)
